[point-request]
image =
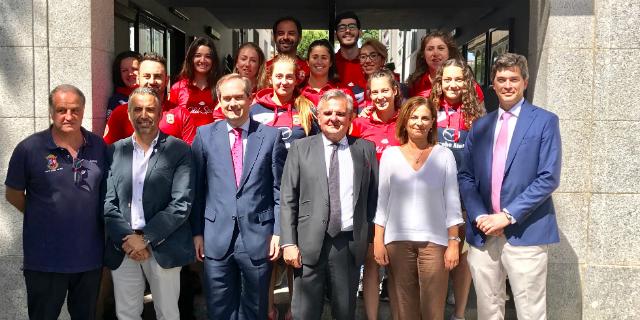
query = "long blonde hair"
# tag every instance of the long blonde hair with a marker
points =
(303, 105)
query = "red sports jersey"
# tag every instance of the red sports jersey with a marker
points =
(423, 88)
(350, 73)
(383, 134)
(303, 69)
(314, 96)
(175, 122)
(199, 102)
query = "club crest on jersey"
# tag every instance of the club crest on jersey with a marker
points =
(171, 119)
(52, 162)
(296, 120)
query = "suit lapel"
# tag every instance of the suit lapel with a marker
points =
(155, 155)
(254, 143)
(317, 152)
(222, 151)
(357, 157)
(487, 144)
(127, 183)
(525, 119)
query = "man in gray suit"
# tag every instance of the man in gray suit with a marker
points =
(328, 198)
(148, 201)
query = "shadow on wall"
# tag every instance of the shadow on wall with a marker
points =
(564, 284)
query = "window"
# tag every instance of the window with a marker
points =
(476, 57)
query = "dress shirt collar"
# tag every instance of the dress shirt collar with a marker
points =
(244, 127)
(327, 143)
(136, 146)
(515, 110)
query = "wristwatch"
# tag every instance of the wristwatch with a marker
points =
(455, 238)
(146, 240)
(509, 216)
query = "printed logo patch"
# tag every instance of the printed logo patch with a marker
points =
(170, 119)
(52, 162)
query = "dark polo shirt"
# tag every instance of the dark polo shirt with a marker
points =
(63, 223)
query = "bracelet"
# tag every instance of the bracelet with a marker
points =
(455, 238)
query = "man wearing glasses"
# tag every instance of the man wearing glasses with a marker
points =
(347, 62)
(55, 178)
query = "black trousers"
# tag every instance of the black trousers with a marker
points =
(336, 271)
(46, 292)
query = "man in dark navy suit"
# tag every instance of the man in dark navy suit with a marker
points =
(512, 160)
(238, 165)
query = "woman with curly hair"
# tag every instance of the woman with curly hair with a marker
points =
(458, 106)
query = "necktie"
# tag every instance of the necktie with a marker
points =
(335, 221)
(499, 160)
(236, 154)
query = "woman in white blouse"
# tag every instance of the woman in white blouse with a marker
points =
(418, 213)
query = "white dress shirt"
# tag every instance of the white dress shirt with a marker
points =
(138, 173)
(232, 137)
(346, 178)
(515, 113)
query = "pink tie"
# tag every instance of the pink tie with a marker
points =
(499, 160)
(236, 155)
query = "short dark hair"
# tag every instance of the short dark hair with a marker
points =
(333, 74)
(152, 56)
(115, 68)
(347, 15)
(509, 60)
(287, 18)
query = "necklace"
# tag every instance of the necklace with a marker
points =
(420, 154)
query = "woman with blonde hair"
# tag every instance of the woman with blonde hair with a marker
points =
(250, 62)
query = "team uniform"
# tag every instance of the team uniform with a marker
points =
(199, 102)
(303, 69)
(452, 130)
(382, 134)
(423, 86)
(284, 117)
(351, 75)
(120, 96)
(314, 96)
(175, 122)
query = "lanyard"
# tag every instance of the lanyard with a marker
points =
(457, 110)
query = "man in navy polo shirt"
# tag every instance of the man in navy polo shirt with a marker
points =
(55, 178)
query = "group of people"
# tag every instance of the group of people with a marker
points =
(321, 165)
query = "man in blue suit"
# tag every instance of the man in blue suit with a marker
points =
(511, 165)
(238, 166)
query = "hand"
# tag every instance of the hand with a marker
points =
(380, 253)
(198, 243)
(451, 256)
(133, 243)
(366, 112)
(274, 248)
(291, 255)
(493, 224)
(141, 256)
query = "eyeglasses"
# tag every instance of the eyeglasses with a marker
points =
(344, 27)
(78, 170)
(372, 56)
